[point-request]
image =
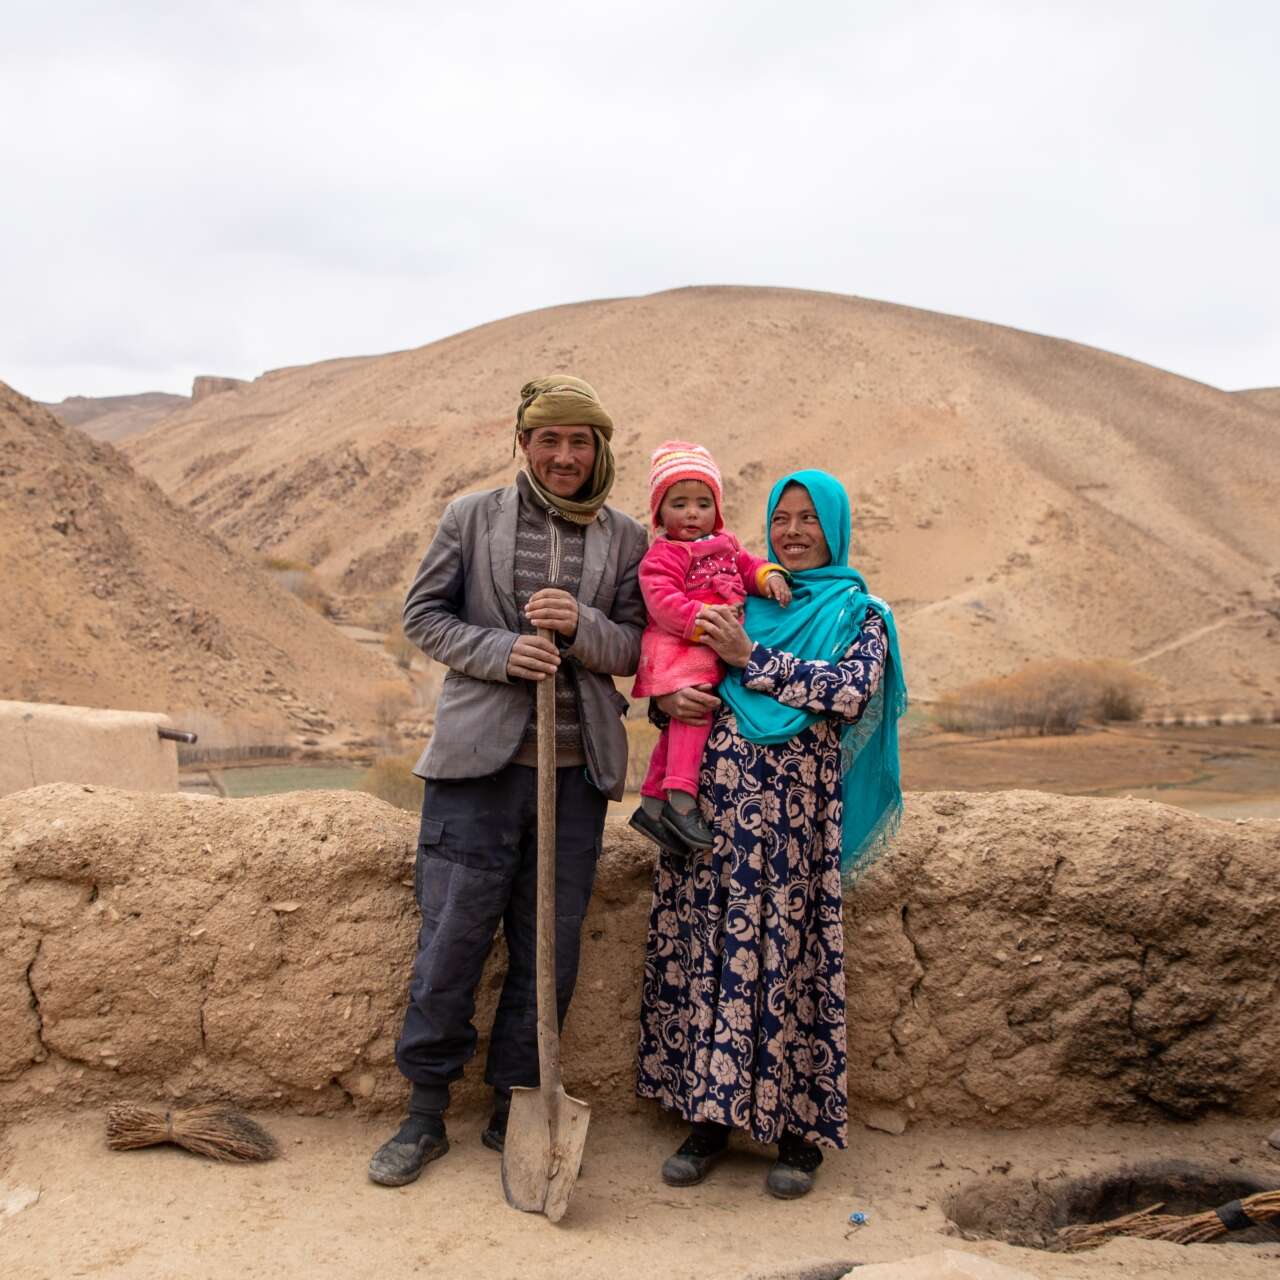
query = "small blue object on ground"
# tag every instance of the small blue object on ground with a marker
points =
(858, 1219)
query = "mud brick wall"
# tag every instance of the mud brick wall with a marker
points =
(1019, 958)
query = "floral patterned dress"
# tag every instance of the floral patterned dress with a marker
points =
(742, 1017)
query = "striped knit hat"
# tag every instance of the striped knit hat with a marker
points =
(676, 460)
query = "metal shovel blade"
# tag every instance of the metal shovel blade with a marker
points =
(546, 1133)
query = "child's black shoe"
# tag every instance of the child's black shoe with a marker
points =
(652, 827)
(688, 827)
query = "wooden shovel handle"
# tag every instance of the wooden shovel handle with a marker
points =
(548, 1011)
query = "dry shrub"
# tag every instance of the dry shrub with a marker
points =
(391, 700)
(641, 737)
(1046, 698)
(299, 579)
(391, 778)
(383, 612)
(1121, 693)
(400, 647)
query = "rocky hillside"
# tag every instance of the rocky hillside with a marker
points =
(1017, 497)
(114, 597)
(112, 418)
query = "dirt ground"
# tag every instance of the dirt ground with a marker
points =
(69, 1207)
(1223, 771)
(162, 1212)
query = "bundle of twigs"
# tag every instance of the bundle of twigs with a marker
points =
(213, 1130)
(1190, 1228)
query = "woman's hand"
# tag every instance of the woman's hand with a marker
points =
(722, 632)
(554, 609)
(691, 705)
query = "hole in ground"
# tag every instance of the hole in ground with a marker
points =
(1029, 1211)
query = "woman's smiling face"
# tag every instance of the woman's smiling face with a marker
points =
(796, 532)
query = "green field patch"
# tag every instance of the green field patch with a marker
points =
(271, 779)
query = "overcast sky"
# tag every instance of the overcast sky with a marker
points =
(225, 188)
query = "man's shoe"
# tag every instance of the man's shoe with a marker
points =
(695, 1159)
(400, 1159)
(494, 1134)
(687, 827)
(792, 1174)
(652, 827)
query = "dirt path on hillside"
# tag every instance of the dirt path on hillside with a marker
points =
(1198, 633)
(161, 1212)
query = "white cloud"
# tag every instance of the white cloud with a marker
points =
(230, 188)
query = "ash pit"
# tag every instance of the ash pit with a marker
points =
(1030, 1211)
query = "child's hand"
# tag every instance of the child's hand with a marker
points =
(699, 624)
(776, 585)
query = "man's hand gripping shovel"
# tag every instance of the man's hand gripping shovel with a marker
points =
(547, 1129)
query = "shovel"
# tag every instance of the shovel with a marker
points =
(547, 1129)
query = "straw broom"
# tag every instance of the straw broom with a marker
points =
(1191, 1228)
(213, 1130)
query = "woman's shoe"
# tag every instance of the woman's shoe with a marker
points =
(697, 1155)
(792, 1174)
(688, 827)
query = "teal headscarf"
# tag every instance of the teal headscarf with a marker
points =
(827, 610)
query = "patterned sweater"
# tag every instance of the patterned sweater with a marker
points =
(549, 553)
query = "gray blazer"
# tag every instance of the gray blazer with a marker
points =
(461, 611)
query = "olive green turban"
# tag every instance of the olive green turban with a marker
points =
(561, 401)
(565, 401)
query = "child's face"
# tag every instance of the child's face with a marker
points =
(688, 511)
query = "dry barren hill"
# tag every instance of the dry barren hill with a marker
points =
(1017, 497)
(112, 418)
(112, 596)
(1263, 397)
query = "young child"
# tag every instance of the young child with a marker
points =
(693, 562)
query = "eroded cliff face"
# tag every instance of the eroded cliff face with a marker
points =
(207, 385)
(1018, 958)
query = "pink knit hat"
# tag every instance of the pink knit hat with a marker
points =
(676, 460)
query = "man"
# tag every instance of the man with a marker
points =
(545, 552)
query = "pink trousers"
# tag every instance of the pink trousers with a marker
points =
(676, 759)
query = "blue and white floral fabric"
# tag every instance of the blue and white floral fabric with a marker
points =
(743, 1004)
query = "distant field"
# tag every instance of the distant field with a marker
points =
(269, 779)
(1222, 772)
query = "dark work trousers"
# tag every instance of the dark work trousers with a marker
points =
(477, 866)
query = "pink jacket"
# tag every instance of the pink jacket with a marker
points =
(677, 579)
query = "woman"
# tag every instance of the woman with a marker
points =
(743, 1014)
